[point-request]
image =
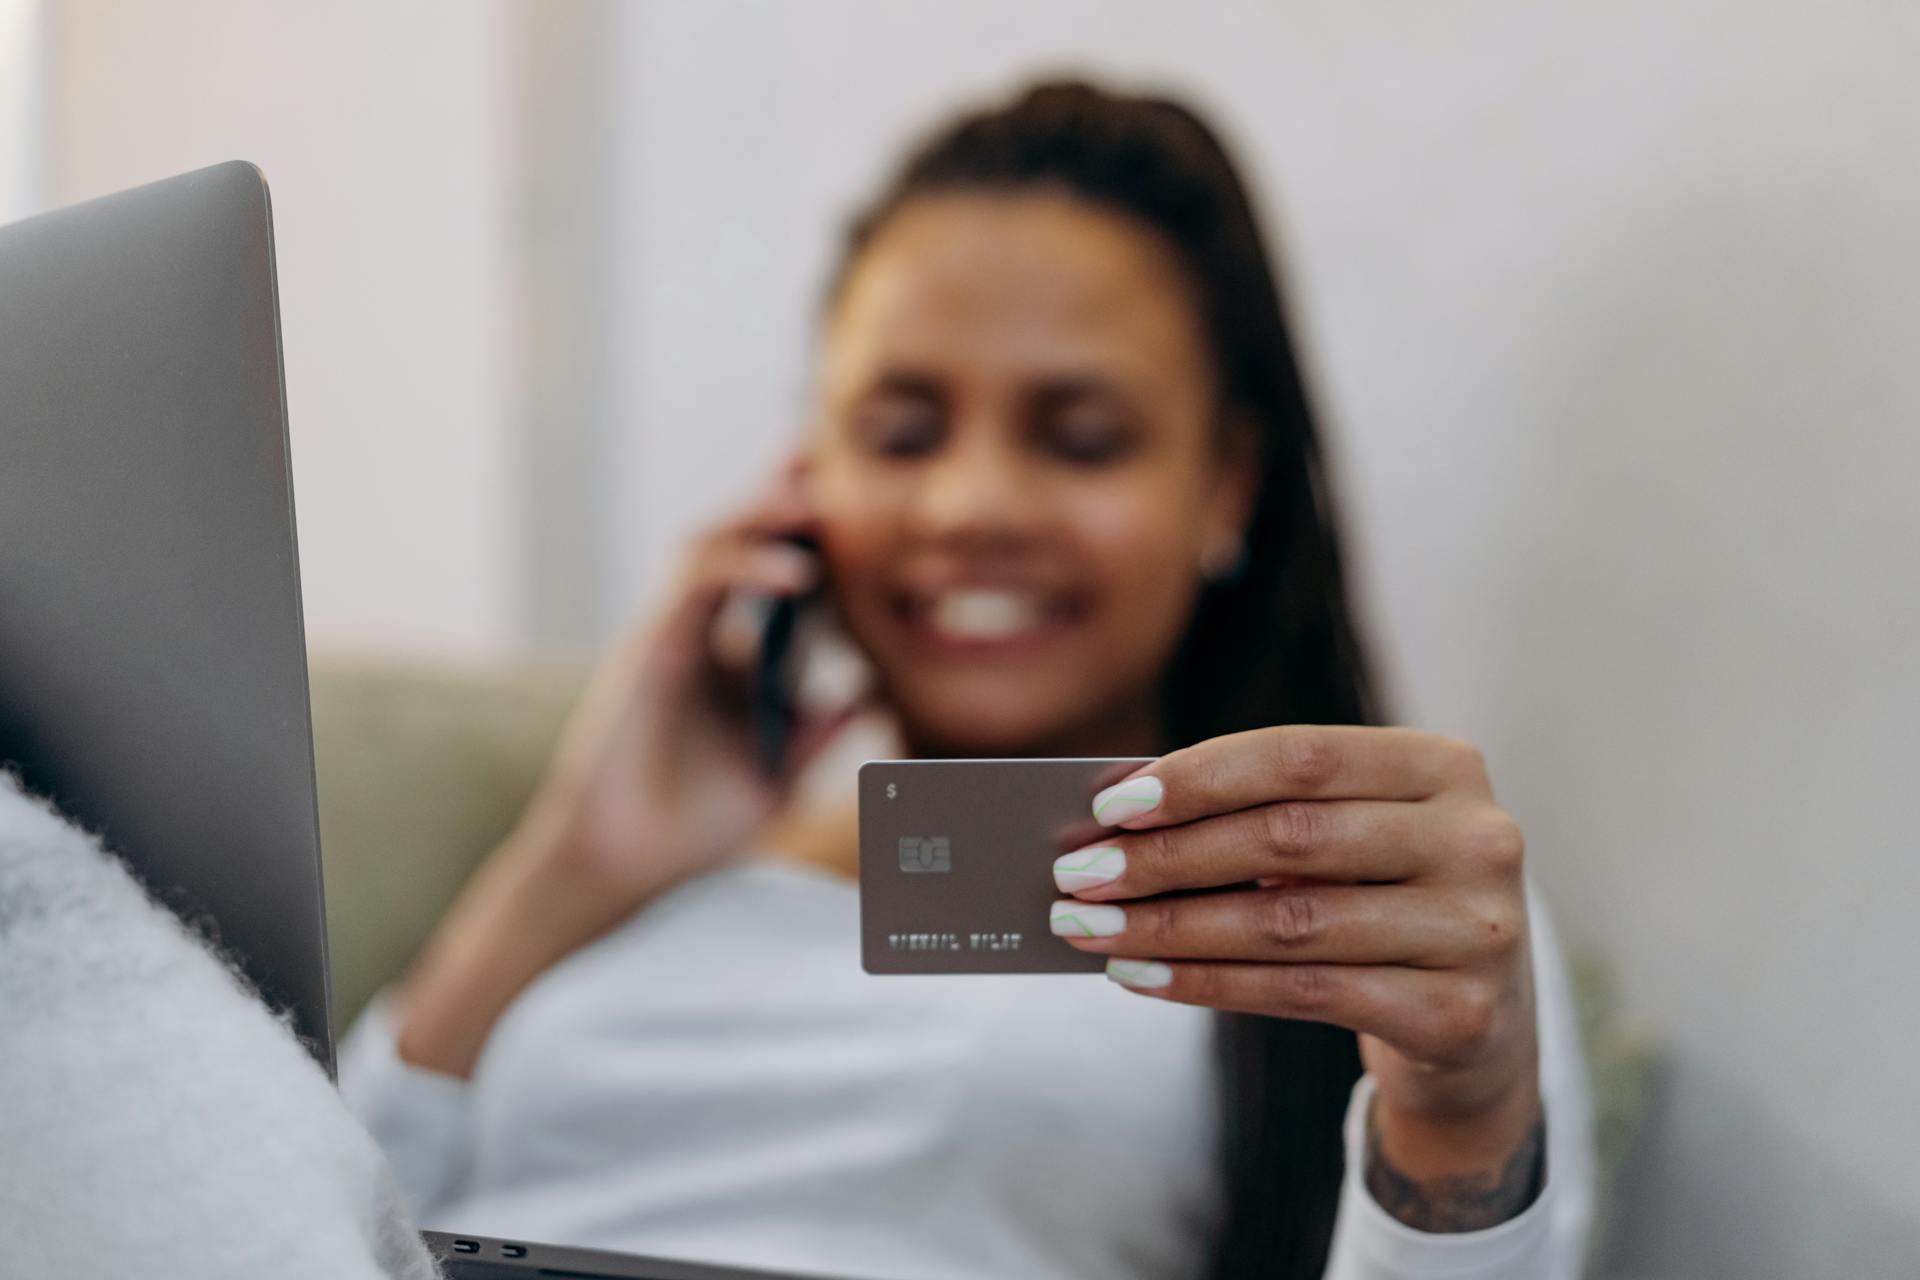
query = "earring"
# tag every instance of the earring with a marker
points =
(1224, 561)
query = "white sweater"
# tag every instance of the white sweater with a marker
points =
(156, 1120)
(718, 1079)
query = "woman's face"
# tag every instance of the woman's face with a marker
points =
(1019, 471)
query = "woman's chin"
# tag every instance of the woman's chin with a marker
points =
(976, 729)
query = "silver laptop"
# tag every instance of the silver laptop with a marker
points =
(153, 673)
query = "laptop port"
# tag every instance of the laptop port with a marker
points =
(466, 1246)
(513, 1251)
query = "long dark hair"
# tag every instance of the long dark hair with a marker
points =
(1275, 644)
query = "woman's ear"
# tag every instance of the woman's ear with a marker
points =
(1234, 488)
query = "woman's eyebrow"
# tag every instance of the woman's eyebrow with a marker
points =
(1059, 389)
(912, 383)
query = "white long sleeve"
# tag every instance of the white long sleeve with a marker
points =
(718, 1079)
(670, 1090)
(1547, 1240)
(422, 1119)
(155, 1119)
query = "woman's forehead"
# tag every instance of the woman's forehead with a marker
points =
(1016, 285)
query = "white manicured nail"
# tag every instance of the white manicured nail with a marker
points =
(1071, 919)
(1139, 973)
(1129, 799)
(1084, 868)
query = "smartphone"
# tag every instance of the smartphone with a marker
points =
(776, 674)
(956, 861)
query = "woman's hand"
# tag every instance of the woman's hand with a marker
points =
(1359, 876)
(656, 779)
(657, 775)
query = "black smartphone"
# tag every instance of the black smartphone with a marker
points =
(776, 673)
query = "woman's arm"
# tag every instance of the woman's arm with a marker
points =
(534, 901)
(655, 780)
(1363, 877)
(1544, 1239)
(155, 1118)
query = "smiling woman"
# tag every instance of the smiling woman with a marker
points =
(1018, 469)
(1067, 497)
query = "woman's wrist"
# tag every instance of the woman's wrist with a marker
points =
(535, 901)
(1457, 1171)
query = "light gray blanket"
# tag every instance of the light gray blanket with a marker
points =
(155, 1118)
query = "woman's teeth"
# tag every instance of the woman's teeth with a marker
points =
(984, 614)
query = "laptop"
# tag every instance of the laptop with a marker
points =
(153, 672)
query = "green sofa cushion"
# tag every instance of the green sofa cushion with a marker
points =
(421, 770)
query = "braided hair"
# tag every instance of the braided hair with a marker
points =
(1275, 644)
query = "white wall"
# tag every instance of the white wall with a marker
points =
(386, 135)
(20, 123)
(1614, 311)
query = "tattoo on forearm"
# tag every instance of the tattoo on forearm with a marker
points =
(1467, 1202)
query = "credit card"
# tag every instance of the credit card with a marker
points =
(956, 861)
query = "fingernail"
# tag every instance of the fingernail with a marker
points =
(1071, 919)
(1147, 974)
(1084, 868)
(1129, 799)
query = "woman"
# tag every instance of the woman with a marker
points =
(1068, 498)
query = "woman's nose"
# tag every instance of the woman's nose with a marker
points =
(978, 487)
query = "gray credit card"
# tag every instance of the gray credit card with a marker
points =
(956, 861)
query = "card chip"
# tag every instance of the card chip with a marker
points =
(925, 853)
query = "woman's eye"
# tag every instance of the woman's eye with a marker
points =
(1089, 437)
(899, 429)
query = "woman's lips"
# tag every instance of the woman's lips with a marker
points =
(986, 620)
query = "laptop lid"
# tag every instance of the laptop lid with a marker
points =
(153, 677)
